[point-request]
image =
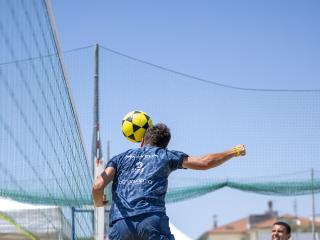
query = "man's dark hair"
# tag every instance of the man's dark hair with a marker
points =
(286, 225)
(157, 135)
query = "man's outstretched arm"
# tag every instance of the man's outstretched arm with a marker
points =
(99, 184)
(213, 160)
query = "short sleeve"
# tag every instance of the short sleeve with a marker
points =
(176, 159)
(113, 162)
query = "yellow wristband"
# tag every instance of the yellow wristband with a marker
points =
(237, 150)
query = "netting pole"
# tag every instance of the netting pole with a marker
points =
(73, 227)
(97, 160)
(313, 206)
(108, 192)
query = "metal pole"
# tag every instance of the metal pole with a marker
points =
(73, 227)
(313, 206)
(96, 147)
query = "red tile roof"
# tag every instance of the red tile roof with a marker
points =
(239, 226)
(242, 225)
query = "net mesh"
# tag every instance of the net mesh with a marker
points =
(43, 159)
(279, 127)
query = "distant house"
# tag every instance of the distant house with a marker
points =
(258, 227)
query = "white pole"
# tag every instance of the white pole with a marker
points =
(99, 213)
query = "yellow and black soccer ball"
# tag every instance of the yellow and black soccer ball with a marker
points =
(135, 124)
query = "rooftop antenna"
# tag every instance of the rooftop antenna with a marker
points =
(295, 208)
(215, 221)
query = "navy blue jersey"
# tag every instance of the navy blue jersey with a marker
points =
(141, 180)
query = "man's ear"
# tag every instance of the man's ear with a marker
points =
(142, 142)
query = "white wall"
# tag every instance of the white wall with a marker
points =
(227, 237)
(295, 236)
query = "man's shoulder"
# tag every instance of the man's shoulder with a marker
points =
(161, 150)
(127, 152)
(146, 150)
(175, 151)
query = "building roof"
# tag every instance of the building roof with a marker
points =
(243, 225)
(239, 226)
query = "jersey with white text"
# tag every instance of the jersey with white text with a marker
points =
(141, 180)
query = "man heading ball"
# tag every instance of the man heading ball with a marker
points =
(140, 182)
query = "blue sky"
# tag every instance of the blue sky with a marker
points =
(249, 44)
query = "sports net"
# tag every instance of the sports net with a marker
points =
(42, 156)
(280, 127)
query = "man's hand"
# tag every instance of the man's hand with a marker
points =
(97, 192)
(239, 150)
(99, 198)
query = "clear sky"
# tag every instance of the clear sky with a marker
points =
(251, 44)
